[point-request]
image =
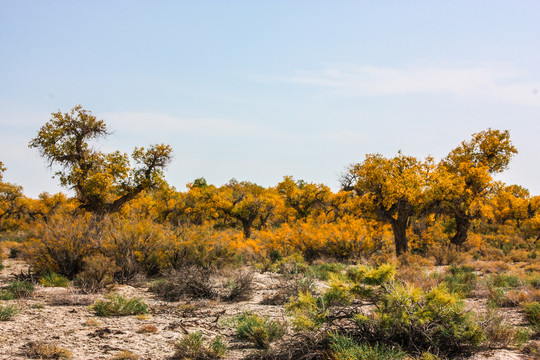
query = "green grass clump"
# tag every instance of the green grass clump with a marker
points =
(192, 346)
(506, 281)
(461, 280)
(21, 289)
(345, 348)
(261, 331)
(7, 295)
(532, 310)
(52, 279)
(325, 270)
(7, 312)
(534, 281)
(119, 305)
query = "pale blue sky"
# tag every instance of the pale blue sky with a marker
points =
(261, 89)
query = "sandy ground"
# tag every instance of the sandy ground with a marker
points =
(62, 316)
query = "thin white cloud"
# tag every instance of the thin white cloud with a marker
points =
(492, 82)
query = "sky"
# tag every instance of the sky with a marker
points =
(256, 90)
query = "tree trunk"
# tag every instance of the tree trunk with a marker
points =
(399, 227)
(463, 223)
(246, 225)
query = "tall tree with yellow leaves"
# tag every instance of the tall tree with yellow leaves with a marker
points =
(464, 178)
(389, 190)
(103, 182)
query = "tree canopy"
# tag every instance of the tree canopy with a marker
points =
(103, 182)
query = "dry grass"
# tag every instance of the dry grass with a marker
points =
(43, 350)
(91, 322)
(125, 355)
(147, 329)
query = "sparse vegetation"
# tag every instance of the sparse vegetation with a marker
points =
(261, 331)
(7, 312)
(44, 350)
(125, 355)
(345, 348)
(385, 268)
(21, 289)
(119, 305)
(193, 346)
(52, 279)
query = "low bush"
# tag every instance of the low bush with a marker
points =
(308, 312)
(408, 317)
(346, 348)
(261, 331)
(43, 350)
(532, 310)
(8, 312)
(289, 286)
(505, 280)
(21, 289)
(534, 281)
(461, 280)
(98, 271)
(324, 270)
(7, 295)
(532, 349)
(191, 282)
(118, 305)
(238, 287)
(292, 264)
(372, 275)
(499, 332)
(192, 346)
(61, 244)
(52, 279)
(339, 292)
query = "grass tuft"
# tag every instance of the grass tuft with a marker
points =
(119, 305)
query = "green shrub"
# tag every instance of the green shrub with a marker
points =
(290, 265)
(532, 310)
(259, 330)
(345, 348)
(534, 281)
(7, 312)
(372, 276)
(498, 297)
(192, 346)
(325, 270)
(461, 280)
(7, 295)
(338, 294)
(119, 305)
(52, 279)
(308, 312)
(413, 319)
(506, 281)
(21, 289)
